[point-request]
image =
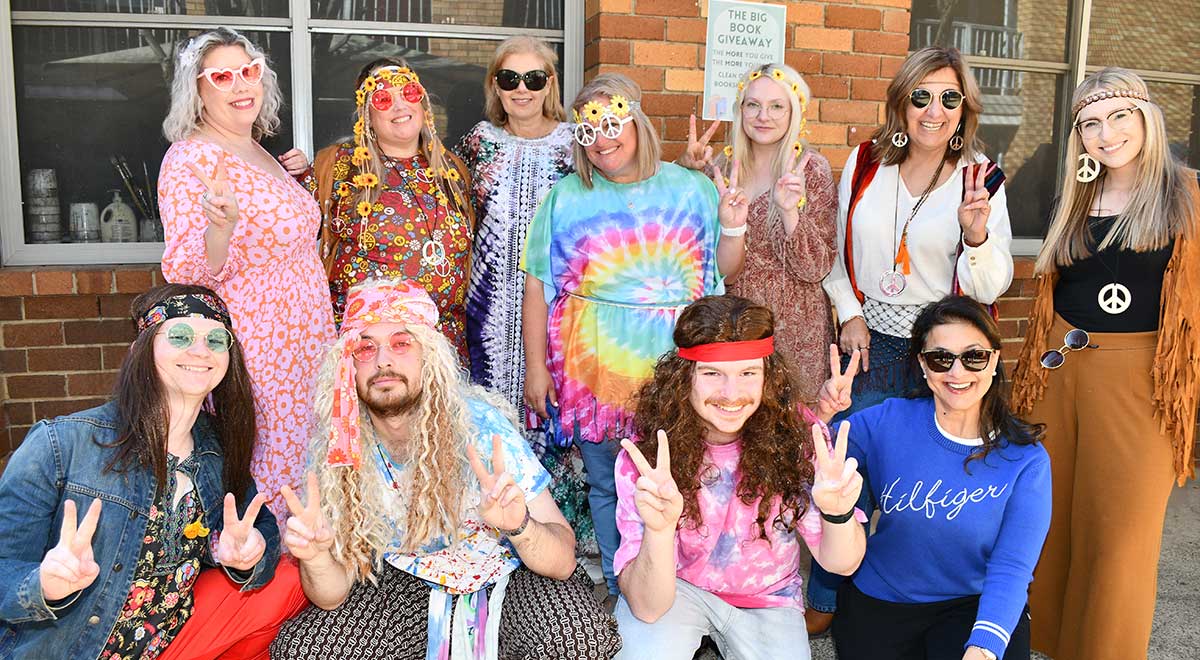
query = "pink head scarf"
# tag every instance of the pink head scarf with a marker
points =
(394, 301)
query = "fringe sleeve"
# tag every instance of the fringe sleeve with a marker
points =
(1029, 379)
(1176, 371)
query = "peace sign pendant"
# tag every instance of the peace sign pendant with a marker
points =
(433, 256)
(892, 283)
(1114, 298)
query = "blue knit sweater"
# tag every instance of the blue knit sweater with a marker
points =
(943, 532)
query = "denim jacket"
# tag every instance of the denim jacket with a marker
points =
(66, 458)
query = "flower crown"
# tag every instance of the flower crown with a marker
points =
(618, 106)
(779, 76)
(1110, 94)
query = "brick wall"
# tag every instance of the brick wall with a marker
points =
(63, 334)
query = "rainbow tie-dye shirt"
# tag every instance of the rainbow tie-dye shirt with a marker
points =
(619, 262)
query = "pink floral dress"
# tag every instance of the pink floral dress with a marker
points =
(275, 287)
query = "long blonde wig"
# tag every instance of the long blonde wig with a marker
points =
(1160, 206)
(450, 185)
(914, 69)
(433, 489)
(649, 147)
(552, 107)
(794, 88)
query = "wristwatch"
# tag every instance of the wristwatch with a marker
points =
(515, 532)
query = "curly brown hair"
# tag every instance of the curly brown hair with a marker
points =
(777, 450)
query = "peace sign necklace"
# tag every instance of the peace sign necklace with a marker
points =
(1114, 297)
(893, 282)
(433, 252)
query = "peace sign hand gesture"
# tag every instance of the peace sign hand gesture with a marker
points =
(732, 208)
(503, 503)
(70, 566)
(241, 544)
(698, 155)
(975, 209)
(834, 396)
(308, 532)
(791, 186)
(657, 498)
(218, 201)
(837, 483)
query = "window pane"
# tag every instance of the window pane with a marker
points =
(1145, 35)
(88, 95)
(540, 14)
(272, 8)
(1015, 30)
(1181, 110)
(450, 69)
(1019, 128)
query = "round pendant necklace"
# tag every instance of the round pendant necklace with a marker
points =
(433, 250)
(1114, 297)
(893, 282)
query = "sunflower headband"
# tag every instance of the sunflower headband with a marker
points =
(607, 120)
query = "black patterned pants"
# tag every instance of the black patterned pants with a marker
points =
(541, 619)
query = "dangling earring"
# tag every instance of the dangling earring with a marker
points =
(956, 142)
(899, 139)
(1089, 169)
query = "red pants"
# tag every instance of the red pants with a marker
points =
(236, 625)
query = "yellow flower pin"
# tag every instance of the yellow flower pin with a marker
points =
(755, 75)
(360, 97)
(592, 111)
(619, 106)
(343, 189)
(369, 83)
(194, 529)
(369, 180)
(452, 174)
(741, 85)
(797, 147)
(776, 74)
(364, 209)
(728, 151)
(796, 89)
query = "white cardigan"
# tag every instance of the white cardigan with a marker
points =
(984, 272)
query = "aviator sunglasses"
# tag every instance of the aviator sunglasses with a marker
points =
(365, 349)
(1075, 340)
(951, 98)
(182, 336)
(940, 360)
(251, 73)
(508, 80)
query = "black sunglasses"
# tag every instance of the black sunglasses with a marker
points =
(1075, 340)
(951, 98)
(940, 360)
(508, 80)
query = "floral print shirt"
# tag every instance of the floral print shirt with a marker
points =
(160, 600)
(404, 224)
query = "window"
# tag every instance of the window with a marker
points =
(1028, 57)
(90, 87)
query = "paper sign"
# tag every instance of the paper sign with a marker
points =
(741, 35)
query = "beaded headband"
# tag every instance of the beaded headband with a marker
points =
(1110, 94)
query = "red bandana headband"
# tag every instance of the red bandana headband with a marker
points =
(395, 301)
(728, 351)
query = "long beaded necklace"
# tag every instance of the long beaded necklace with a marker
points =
(387, 465)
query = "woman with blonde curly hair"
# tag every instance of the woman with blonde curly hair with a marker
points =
(394, 198)
(237, 222)
(793, 215)
(1110, 365)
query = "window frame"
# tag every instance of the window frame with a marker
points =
(14, 251)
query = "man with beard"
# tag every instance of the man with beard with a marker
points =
(710, 535)
(428, 530)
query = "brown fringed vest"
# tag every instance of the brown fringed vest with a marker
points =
(1176, 358)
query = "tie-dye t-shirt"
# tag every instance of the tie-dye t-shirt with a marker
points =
(723, 555)
(481, 556)
(619, 262)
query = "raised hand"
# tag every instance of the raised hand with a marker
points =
(308, 531)
(657, 498)
(732, 207)
(837, 483)
(502, 504)
(294, 162)
(791, 187)
(698, 155)
(241, 544)
(70, 566)
(218, 201)
(975, 209)
(834, 396)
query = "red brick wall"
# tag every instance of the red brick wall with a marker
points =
(63, 334)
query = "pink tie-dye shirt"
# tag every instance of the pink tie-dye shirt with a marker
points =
(723, 555)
